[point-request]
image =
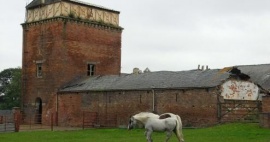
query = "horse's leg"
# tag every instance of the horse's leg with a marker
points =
(169, 134)
(148, 135)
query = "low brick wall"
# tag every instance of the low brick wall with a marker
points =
(265, 120)
(265, 115)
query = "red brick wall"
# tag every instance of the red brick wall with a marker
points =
(65, 47)
(70, 106)
(196, 107)
(266, 104)
(265, 115)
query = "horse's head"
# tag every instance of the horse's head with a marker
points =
(131, 123)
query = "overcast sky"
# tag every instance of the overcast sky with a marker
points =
(169, 35)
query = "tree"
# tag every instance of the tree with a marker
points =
(10, 88)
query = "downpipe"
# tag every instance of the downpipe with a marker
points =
(153, 98)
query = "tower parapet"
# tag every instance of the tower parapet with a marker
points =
(39, 10)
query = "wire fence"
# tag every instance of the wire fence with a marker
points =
(92, 119)
(89, 120)
(31, 122)
(15, 121)
(7, 123)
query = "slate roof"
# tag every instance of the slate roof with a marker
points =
(259, 74)
(37, 3)
(147, 81)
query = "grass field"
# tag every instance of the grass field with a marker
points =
(223, 133)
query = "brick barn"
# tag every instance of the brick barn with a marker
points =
(72, 67)
(200, 97)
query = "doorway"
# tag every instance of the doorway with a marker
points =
(38, 106)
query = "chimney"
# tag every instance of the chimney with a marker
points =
(199, 67)
(137, 71)
(202, 68)
(146, 70)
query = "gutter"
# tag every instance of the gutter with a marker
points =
(63, 91)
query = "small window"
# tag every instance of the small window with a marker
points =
(90, 69)
(39, 70)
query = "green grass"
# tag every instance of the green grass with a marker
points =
(236, 132)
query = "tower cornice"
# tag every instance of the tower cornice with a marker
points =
(95, 24)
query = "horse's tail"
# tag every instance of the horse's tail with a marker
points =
(178, 130)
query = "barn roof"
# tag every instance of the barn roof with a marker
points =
(259, 74)
(150, 80)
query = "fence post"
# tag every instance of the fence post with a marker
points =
(16, 117)
(83, 121)
(5, 123)
(116, 120)
(1, 119)
(56, 118)
(30, 121)
(51, 121)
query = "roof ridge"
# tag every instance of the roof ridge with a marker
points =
(250, 65)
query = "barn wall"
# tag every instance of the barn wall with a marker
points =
(110, 105)
(239, 101)
(116, 107)
(196, 107)
(69, 110)
(266, 104)
(239, 90)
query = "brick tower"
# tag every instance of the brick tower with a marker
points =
(64, 40)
